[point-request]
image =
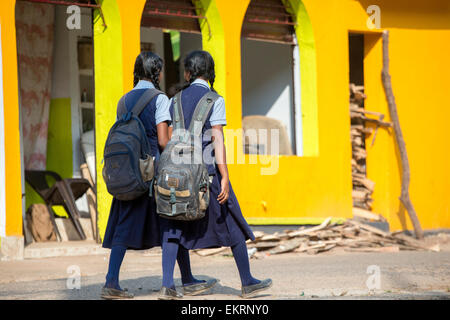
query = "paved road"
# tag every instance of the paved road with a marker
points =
(340, 275)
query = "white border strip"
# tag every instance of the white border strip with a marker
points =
(297, 100)
(2, 151)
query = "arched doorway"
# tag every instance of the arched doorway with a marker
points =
(171, 29)
(270, 75)
(56, 105)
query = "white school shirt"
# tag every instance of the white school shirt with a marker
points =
(218, 115)
(162, 112)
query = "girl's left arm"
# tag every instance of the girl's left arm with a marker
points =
(163, 120)
(162, 130)
(221, 160)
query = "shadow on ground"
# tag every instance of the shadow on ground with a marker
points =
(143, 287)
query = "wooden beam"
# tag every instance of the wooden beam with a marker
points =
(404, 197)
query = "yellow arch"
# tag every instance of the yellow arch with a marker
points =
(213, 39)
(108, 90)
(308, 76)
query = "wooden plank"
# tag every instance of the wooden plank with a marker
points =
(360, 175)
(357, 141)
(355, 132)
(361, 213)
(356, 108)
(361, 204)
(283, 235)
(361, 129)
(358, 155)
(91, 199)
(361, 116)
(310, 230)
(287, 246)
(263, 244)
(307, 248)
(369, 184)
(410, 241)
(358, 127)
(401, 144)
(336, 241)
(327, 234)
(358, 194)
(258, 234)
(359, 96)
(378, 122)
(327, 247)
(369, 228)
(269, 237)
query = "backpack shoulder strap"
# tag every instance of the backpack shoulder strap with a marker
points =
(178, 122)
(201, 112)
(121, 107)
(140, 105)
(144, 100)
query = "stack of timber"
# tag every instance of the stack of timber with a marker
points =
(351, 235)
(360, 117)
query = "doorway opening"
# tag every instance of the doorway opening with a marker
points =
(362, 186)
(171, 29)
(270, 78)
(56, 102)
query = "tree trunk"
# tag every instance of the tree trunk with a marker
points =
(404, 197)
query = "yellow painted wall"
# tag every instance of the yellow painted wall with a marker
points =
(108, 62)
(130, 20)
(11, 116)
(305, 189)
(314, 187)
(420, 68)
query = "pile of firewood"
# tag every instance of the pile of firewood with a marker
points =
(362, 186)
(351, 235)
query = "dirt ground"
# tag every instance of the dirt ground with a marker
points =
(335, 274)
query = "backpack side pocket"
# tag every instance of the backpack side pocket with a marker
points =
(147, 168)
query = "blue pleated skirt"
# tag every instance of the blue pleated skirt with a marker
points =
(133, 224)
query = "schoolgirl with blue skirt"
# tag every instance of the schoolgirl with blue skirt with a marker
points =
(223, 224)
(134, 224)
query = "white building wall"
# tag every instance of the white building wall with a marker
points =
(156, 37)
(188, 43)
(66, 79)
(267, 82)
(65, 76)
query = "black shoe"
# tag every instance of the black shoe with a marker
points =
(111, 293)
(197, 288)
(169, 294)
(250, 291)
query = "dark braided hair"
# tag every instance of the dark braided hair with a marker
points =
(200, 64)
(148, 66)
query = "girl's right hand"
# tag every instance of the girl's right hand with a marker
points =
(224, 190)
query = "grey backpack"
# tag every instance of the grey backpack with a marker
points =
(128, 163)
(182, 180)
